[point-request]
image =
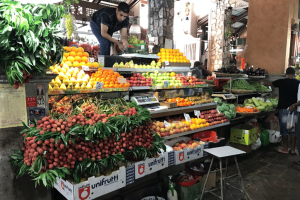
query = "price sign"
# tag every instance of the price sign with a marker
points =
(270, 88)
(142, 47)
(197, 113)
(101, 60)
(189, 73)
(167, 63)
(122, 80)
(187, 117)
(99, 85)
(166, 84)
(85, 68)
(91, 59)
(167, 124)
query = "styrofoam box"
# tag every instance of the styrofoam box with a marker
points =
(93, 187)
(186, 154)
(139, 168)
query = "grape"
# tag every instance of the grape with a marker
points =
(69, 24)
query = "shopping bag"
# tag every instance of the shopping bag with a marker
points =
(256, 144)
(291, 122)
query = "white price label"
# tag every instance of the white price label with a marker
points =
(167, 124)
(99, 85)
(91, 59)
(101, 60)
(85, 68)
(197, 113)
(187, 117)
(270, 87)
(166, 84)
(142, 47)
(189, 74)
(167, 63)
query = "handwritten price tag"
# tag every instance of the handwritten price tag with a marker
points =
(122, 80)
(99, 85)
(85, 68)
(91, 59)
(167, 124)
(167, 63)
(197, 113)
(189, 73)
(187, 117)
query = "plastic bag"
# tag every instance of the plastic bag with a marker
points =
(264, 137)
(274, 136)
(256, 144)
(291, 122)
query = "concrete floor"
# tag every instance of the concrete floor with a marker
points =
(267, 175)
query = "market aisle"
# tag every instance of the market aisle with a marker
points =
(267, 175)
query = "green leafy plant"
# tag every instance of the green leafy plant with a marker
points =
(29, 39)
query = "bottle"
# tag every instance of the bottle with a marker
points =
(171, 194)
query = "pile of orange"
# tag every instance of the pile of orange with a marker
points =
(172, 55)
(109, 78)
(76, 57)
(180, 101)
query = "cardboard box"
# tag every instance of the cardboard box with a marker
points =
(139, 168)
(211, 181)
(246, 148)
(93, 187)
(156, 164)
(186, 154)
(243, 134)
(168, 104)
(272, 126)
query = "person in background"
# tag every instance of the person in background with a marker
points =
(105, 22)
(288, 97)
(200, 71)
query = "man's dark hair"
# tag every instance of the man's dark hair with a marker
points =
(124, 7)
(290, 71)
(197, 64)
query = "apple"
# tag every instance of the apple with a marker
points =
(167, 133)
(157, 129)
(168, 128)
(162, 130)
(162, 135)
(182, 130)
(173, 125)
(171, 132)
(185, 129)
(162, 125)
(188, 128)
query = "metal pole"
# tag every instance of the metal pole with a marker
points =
(212, 160)
(242, 184)
(221, 179)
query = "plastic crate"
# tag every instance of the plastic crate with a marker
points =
(137, 48)
(189, 183)
(206, 136)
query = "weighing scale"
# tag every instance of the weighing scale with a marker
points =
(148, 101)
(225, 96)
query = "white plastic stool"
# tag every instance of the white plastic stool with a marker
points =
(220, 153)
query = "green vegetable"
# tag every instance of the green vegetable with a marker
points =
(227, 114)
(260, 87)
(217, 100)
(255, 101)
(220, 108)
(232, 107)
(225, 107)
(261, 108)
(240, 85)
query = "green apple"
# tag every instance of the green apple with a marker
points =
(144, 74)
(148, 67)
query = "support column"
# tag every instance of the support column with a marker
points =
(161, 16)
(269, 34)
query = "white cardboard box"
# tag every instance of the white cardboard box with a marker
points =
(195, 153)
(139, 168)
(156, 164)
(93, 187)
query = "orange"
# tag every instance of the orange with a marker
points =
(73, 53)
(61, 64)
(67, 48)
(82, 64)
(69, 63)
(80, 49)
(74, 49)
(188, 61)
(84, 59)
(78, 59)
(76, 64)
(158, 54)
(86, 54)
(89, 64)
(71, 59)
(162, 50)
(95, 64)
(177, 50)
(181, 54)
(79, 54)
(100, 69)
(66, 55)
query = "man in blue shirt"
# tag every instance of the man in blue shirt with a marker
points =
(105, 22)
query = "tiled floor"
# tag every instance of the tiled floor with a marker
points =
(267, 175)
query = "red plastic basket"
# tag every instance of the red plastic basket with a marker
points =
(189, 183)
(206, 136)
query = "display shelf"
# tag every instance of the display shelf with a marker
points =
(196, 131)
(171, 69)
(181, 110)
(182, 87)
(230, 78)
(56, 92)
(137, 88)
(136, 55)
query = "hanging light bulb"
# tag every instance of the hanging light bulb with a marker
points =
(39, 1)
